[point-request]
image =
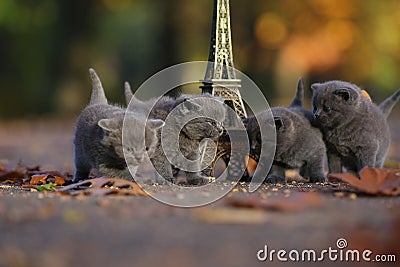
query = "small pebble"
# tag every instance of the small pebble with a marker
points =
(353, 196)
(274, 189)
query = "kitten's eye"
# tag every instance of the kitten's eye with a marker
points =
(327, 109)
(147, 148)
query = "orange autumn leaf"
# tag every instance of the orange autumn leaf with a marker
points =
(366, 95)
(103, 186)
(40, 179)
(374, 181)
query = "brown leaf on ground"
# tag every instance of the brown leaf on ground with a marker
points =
(103, 186)
(40, 179)
(16, 174)
(374, 181)
(295, 202)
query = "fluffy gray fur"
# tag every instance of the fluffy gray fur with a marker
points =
(191, 134)
(355, 129)
(299, 144)
(98, 137)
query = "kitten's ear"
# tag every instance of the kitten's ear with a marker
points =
(279, 125)
(128, 93)
(188, 106)
(315, 86)
(155, 124)
(108, 125)
(344, 94)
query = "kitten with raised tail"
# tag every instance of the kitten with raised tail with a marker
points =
(298, 143)
(190, 136)
(355, 129)
(98, 137)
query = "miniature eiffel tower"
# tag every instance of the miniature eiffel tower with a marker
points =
(220, 80)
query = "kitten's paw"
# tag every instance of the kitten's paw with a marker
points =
(274, 179)
(317, 179)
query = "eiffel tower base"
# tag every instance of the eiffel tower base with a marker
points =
(235, 161)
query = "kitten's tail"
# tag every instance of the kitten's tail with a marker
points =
(128, 93)
(299, 97)
(98, 96)
(387, 105)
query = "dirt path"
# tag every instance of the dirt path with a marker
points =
(49, 229)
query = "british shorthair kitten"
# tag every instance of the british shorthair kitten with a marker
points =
(355, 129)
(98, 137)
(299, 143)
(191, 134)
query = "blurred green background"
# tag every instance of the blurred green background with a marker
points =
(47, 46)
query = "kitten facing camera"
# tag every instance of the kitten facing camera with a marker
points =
(189, 136)
(298, 143)
(355, 129)
(98, 137)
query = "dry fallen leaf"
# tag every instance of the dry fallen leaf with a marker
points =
(374, 181)
(295, 202)
(103, 186)
(41, 179)
(14, 174)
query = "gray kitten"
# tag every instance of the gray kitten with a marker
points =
(298, 143)
(192, 133)
(355, 129)
(98, 137)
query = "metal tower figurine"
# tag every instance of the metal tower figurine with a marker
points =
(220, 80)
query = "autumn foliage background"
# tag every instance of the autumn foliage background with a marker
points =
(47, 46)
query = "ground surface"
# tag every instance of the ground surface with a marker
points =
(50, 229)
